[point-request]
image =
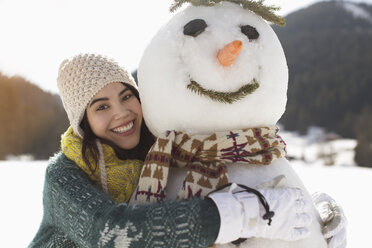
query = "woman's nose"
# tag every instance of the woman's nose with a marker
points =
(228, 54)
(121, 112)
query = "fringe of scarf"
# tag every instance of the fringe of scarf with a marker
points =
(206, 158)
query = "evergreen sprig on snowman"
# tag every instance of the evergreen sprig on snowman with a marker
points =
(267, 12)
(213, 85)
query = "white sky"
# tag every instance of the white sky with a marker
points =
(36, 35)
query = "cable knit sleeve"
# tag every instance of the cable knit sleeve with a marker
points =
(79, 214)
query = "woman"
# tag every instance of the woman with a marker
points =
(103, 149)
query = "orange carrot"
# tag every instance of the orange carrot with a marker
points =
(227, 55)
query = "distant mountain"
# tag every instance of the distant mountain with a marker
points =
(329, 51)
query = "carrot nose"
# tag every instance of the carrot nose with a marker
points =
(227, 55)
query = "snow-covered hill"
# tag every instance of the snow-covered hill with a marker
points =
(21, 185)
(357, 10)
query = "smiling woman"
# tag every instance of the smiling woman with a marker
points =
(105, 147)
(114, 116)
(105, 113)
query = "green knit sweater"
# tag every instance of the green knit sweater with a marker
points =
(79, 214)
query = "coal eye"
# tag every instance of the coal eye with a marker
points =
(194, 27)
(250, 32)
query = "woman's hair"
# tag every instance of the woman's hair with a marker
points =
(90, 147)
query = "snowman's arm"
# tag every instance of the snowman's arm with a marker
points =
(334, 221)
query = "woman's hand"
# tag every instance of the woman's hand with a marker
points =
(334, 220)
(292, 215)
(241, 214)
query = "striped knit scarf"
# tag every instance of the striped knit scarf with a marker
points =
(205, 157)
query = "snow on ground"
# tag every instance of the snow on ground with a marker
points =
(350, 186)
(21, 206)
(21, 184)
(317, 146)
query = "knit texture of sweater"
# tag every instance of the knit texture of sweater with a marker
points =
(77, 213)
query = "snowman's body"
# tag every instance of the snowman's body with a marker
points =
(253, 176)
(177, 56)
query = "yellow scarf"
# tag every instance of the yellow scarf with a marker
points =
(121, 175)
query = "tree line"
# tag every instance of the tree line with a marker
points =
(31, 119)
(329, 54)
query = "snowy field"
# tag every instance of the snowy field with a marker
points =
(21, 185)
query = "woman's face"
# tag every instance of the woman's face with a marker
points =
(115, 114)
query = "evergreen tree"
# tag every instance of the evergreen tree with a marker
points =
(31, 120)
(363, 151)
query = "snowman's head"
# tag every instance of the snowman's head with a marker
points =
(213, 69)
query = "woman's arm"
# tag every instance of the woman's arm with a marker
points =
(79, 214)
(83, 212)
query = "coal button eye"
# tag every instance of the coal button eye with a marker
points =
(194, 27)
(250, 32)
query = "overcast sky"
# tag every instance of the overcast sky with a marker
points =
(36, 35)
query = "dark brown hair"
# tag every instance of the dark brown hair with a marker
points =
(90, 148)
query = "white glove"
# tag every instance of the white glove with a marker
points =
(241, 214)
(334, 220)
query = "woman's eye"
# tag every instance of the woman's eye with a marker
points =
(126, 97)
(102, 107)
(194, 27)
(250, 32)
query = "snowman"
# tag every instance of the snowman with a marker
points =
(216, 70)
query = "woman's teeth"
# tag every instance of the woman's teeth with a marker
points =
(123, 129)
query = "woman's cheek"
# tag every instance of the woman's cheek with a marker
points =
(99, 123)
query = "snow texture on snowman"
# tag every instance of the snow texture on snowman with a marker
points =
(218, 66)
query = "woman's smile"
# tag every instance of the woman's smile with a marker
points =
(125, 129)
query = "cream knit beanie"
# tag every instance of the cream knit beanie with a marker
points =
(79, 80)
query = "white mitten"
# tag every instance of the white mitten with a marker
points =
(334, 220)
(245, 215)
